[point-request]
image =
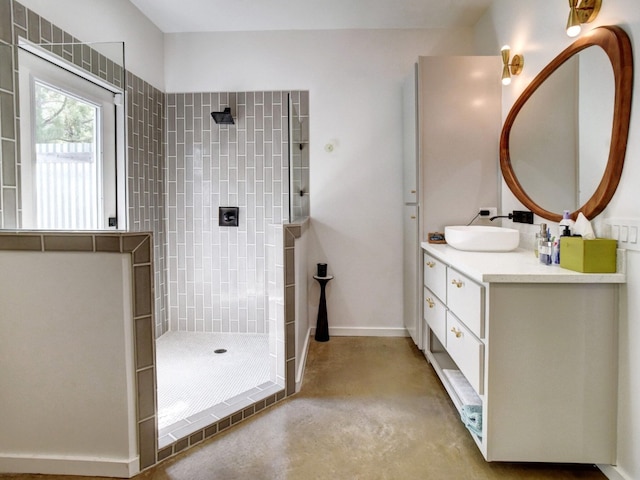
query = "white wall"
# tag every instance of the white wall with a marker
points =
(538, 33)
(68, 391)
(355, 83)
(110, 21)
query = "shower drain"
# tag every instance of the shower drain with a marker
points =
(220, 350)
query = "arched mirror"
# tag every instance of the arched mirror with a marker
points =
(564, 141)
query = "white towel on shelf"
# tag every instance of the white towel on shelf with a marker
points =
(471, 416)
(463, 388)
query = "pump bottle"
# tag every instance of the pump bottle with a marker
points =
(566, 222)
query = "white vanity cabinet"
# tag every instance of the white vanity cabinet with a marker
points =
(536, 343)
(455, 315)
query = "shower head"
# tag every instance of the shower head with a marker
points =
(224, 117)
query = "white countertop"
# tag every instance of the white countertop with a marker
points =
(518, 266)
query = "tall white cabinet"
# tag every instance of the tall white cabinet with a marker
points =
(411, 209)
(452, 122)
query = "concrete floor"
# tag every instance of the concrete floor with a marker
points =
(370, 408)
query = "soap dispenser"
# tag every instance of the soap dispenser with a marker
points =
(565, 233)
(545, 245)
(565, 223)
(541, 237)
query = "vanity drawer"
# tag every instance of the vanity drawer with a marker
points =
(467, 351)
(465, 298)
(435, 276)
(435, 314)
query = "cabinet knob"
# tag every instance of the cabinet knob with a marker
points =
(431, 264)
(430, 302)
(456, 332)
(413, 191)
(457, 283)
(413, 217)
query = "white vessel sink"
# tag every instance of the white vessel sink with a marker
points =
(479, 238)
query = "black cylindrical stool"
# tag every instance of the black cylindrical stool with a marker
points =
(322, 325)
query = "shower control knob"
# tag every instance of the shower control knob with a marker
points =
(228, 216)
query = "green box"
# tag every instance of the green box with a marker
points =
(588, 256)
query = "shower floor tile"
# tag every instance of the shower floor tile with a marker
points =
(193, 378)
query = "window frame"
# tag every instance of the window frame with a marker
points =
(81, 85)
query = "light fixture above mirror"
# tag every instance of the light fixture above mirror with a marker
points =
(513, 67)
(586, 12)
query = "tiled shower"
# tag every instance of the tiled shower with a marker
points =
(181, 168)
(216, 275)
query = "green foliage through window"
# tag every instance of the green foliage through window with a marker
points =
(61, 118)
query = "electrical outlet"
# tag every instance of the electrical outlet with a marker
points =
(493, 211)
(522, 217)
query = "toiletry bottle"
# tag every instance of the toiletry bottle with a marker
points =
(566, 222)
(546, 252)
(555, 253)
(540, 237)
(546, 245)
(565, 233)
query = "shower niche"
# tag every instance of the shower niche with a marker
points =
(299, 197)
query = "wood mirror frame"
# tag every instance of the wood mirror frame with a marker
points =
(616, 44)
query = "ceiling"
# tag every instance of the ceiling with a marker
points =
(173, 16)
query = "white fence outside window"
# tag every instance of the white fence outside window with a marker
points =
(67, 186)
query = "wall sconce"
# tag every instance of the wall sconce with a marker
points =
(585, 13)
(513, 68)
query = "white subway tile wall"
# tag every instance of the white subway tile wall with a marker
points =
(217, 275)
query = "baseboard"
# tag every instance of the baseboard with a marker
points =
(612, 472)
(86, 466)
(303, 361)
(366, 332)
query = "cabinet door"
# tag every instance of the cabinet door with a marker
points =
(435, 277)
(435, 315)
(410, 134)
(466, 299)
(411, 282)
(467, 351)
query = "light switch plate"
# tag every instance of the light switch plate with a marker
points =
(625, 231)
